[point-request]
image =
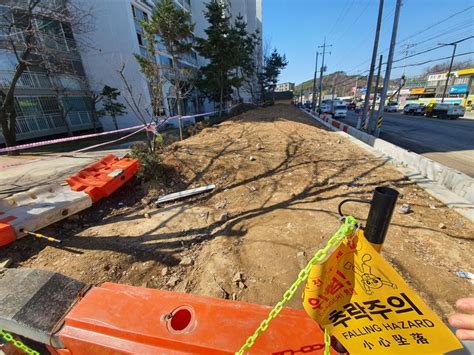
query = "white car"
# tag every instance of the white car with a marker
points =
(414, 109)
(339, 111)
(391, 107)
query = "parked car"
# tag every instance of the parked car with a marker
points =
(391, 107)
(442, 110)
(414, 109)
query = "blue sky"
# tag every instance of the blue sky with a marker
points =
(296, 27)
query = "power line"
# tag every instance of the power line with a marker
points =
(434, 60)
(366, 39)
(431, 49)
(420, 32)
(455, 28)
(435, 24)
(355, 21)
(341, 16)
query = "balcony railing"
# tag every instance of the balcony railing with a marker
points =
(51, 42)
(28, 80)
(50, 122)
(59, 43)
(70, 82)
(32, 80)
(38, 123)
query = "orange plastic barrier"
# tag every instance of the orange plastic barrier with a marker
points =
(7, 232)
(121, 319)
(102, 178)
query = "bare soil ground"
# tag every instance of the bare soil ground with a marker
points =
(279, 179)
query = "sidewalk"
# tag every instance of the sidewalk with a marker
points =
(44, 169)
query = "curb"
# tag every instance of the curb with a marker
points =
(448, 185)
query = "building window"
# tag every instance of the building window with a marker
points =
(27, 106)
(76, 103)
(140, 39)
(78, 68)
(49, 104)
(461, 80)
(139, 14)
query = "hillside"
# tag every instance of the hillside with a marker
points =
(344, 83)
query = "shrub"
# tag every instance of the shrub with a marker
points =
(150, 163)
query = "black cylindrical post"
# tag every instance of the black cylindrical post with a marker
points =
(380, 215)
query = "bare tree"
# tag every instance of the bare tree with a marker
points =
(29, 30)
(251, 82)
(146, 114)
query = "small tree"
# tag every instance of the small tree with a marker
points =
(222, 50)
(272, 68)
(110, 105)
(173, 25)
(95, 98)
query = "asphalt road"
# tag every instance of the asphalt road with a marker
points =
(450, 142)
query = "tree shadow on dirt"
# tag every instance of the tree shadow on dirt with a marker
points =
(165, 247)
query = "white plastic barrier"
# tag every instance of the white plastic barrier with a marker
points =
(42, 206)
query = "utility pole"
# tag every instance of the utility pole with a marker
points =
(376, 125)
(334, 86)
(314, 80)
(355, 90)
(372, 65)
(454, 44)
(322, 71)
(405, 52)
(375, 91)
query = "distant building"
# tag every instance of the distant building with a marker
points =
(285, 87)
(430, 88)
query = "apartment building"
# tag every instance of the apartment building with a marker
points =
(117, 35)
(47, 101)
(285, 87)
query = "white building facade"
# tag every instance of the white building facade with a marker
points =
(285, 87)
(116, 36)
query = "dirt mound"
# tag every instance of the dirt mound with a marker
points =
(279, 178)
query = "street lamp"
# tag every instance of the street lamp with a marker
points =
(450, 66)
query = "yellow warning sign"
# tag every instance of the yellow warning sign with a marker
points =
(361, 300)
